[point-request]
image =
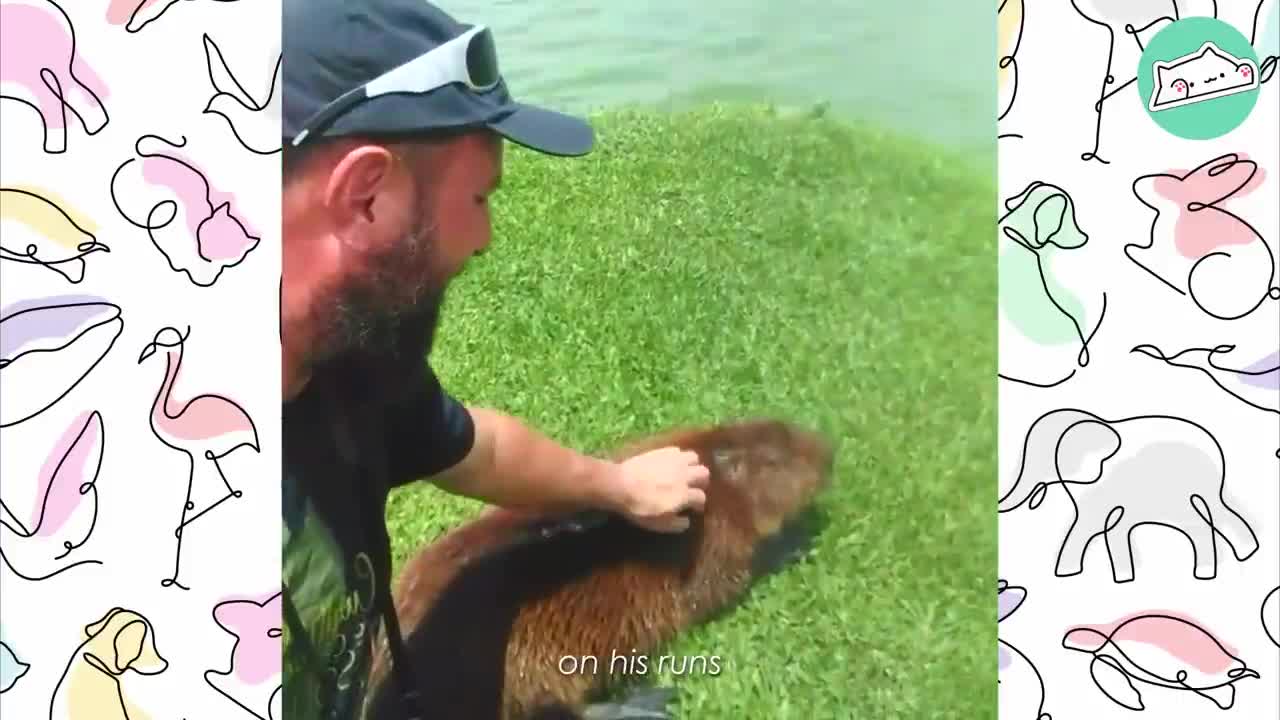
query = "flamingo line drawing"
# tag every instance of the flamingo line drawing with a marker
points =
(209, 426)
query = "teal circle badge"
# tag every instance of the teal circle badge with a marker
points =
(1198, 78)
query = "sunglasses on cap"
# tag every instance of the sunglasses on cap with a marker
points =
(470, 59)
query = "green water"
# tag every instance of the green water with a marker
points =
(925, 68)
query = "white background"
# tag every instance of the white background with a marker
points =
(158, 84)
(1061, 62)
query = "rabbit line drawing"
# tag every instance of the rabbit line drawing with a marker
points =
(1198, 248)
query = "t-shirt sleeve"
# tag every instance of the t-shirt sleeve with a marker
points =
(428, 431)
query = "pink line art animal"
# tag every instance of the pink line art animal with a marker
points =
(1021, 685)
(93, 683)
(1198, 248)
(48, 346)
(137, 14)
(194, 227)
(208, 427)
(1122, 474)
(252, 121)
(36, 230)
(40, 68)
(253, 678)
(66, 503)
(1158, 649)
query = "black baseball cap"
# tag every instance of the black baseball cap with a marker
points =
(332, 49)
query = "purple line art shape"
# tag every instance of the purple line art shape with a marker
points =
(48, 346)
(42, 68)
(37, 230)
(206, 429)
(65, 510)
(1123, 474)
(1021, 685)
(194, 225)
(1159, 649)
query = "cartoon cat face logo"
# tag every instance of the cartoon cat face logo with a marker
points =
(1206, 74)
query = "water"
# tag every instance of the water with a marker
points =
(924, 68)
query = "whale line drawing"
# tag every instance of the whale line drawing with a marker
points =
(12, 668)
(1158, 649)
(48, 347)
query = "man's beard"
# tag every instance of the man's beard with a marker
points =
(403, 287)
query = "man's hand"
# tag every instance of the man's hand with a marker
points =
(659, 484)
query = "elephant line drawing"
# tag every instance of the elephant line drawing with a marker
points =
(1143, 470)
(1022, 691)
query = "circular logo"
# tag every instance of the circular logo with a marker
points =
(1198, 78)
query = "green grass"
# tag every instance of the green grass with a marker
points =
(731, 262)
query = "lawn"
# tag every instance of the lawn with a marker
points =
(734, 261)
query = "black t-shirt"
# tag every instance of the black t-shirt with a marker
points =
(362, 426)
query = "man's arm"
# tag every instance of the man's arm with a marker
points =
(512, 465)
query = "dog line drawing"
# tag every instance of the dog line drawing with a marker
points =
(70, 473)
(1201, 250)
(1041, 266)
(54, 239)
(93, 683)
(38, 52)
(210, 238)
(1158, 649)
(1143, 470)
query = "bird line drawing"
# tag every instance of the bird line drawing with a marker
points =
(209, 427)
(252, 122)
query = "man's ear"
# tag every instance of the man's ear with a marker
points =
(356, 181)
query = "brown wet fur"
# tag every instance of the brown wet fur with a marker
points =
(487, 615)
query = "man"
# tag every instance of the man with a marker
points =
(394, 121)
